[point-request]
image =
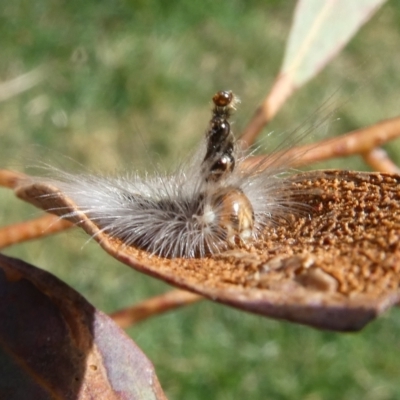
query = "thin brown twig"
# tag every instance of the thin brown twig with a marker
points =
(281, 90)
(151, 307)
(44, 225)
(379, 160)
(10, 179)
(28, 230)
(361, 141)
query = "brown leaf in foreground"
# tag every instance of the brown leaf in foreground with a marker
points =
(336, 268)
(55, 345)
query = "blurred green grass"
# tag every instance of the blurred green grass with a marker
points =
(129, 82)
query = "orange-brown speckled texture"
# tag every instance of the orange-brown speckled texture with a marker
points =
(336, 267)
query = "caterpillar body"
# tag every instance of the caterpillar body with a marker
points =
(214, 201)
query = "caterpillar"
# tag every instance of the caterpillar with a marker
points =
(214, 201)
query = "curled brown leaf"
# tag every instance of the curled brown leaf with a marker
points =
(336, 268)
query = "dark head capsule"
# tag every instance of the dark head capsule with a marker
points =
(223, 98)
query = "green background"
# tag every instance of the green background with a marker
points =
(128, 85)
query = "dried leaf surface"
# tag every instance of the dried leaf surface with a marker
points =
(336, 268)
(55, 345)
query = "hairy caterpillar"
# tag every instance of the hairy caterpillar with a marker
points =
(212, 202)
